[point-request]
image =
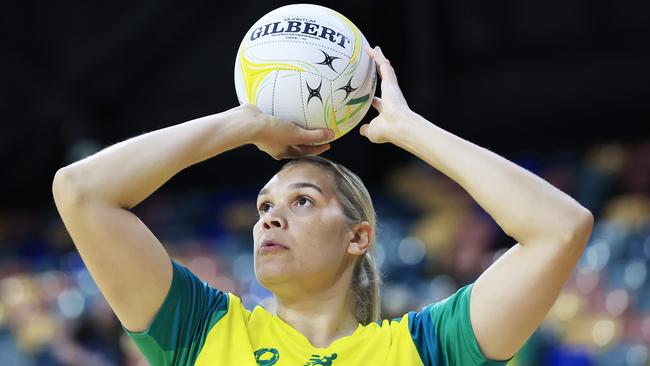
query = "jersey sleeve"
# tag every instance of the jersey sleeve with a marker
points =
(443, 334)
(179, 329)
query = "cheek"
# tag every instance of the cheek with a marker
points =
(322, 243)
(257, 230)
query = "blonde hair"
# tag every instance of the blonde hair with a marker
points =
(357, 206)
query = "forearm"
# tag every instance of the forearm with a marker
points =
(525, 206)
(127, 172)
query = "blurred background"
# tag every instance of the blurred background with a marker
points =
(559, 87)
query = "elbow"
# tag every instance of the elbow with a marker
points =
(580, 229)
(65, 188)
(585, 224)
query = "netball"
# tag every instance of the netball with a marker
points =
(306, 64)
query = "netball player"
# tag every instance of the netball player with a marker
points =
(313, 247)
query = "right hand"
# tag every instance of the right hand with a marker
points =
(392, 107)
(283, 139)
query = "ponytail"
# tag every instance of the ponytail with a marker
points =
(365, 287)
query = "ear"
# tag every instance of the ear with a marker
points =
(361, 238)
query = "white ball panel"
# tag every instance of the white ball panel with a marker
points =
(288, 103)
(356, 74)
(306, 56)
(305, 23)
(351, 113)
(239, 81)
(265, 93)
(316, 100)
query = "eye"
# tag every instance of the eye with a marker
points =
(304, 201)
(264, 207)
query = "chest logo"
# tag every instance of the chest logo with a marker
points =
(267, 356)
(317, 360)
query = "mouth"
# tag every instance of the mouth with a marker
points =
(270, 246)
(273, 243)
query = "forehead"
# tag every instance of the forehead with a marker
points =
(301, 173)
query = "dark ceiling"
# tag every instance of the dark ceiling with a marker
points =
(509, 75)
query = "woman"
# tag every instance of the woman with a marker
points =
(312, 246)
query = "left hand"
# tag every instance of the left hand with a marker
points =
(392, 106)
(281, 138)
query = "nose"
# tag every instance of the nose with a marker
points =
(273, 220)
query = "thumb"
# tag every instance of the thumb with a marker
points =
(363, 130)
(317, 135)
(377, 103)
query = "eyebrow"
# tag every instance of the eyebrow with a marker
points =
(295, 186)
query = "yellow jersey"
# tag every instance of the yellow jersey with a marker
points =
(201, 325)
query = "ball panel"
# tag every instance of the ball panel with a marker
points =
(239, 81)
(254, 72)
(353, 111)
(304, 55)
(355, 108)
(316, 98)
(356, 45)
(289, 105)
(265, 93)
(306, 23)
(355, 85)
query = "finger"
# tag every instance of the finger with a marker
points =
(377, 103)
(297, 135)
(291, 152)
(386, 71)
(364, 129)
(368, 50)
(375, 53)
(379, 54)
(315, 136)
(372, 53)
(301, 150)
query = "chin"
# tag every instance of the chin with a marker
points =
(270, 275)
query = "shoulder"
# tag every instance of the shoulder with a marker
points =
(443, 331)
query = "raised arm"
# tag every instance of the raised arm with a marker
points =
(511, 298)
(94, 195)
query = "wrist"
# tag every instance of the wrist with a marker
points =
(245, 118)
(221, 132)
(250, 119)
(404, 122)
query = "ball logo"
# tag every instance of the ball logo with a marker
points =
(309, 28)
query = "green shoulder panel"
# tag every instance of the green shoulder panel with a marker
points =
(443, 334)
(178, 332)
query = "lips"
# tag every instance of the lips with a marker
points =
(271, 246)
(273, 243)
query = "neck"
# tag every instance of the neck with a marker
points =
(321, 316)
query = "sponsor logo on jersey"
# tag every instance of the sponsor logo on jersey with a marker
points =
(317, 360)
(267, 356)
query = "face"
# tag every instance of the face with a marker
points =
(302, 237)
